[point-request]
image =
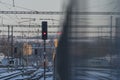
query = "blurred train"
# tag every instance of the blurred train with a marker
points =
(89, 35)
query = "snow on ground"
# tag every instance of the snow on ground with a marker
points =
(2, 70)
(19, 78)
(49, 78)
(8, 73)
(5, 72)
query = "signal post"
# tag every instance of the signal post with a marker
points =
(44, 37)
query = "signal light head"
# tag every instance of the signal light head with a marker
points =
(44, 30)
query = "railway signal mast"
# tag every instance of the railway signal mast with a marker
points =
(44, 37)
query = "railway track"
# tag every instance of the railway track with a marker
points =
(25, 74)
(9, 75)
(39, 75)
(17, 74)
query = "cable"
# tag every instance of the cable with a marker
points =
(16, 16)
(117, 6)
(9, 15)
(103, 6)
(5, 5)
(16, 6)
(9, 9)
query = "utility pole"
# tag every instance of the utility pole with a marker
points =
(12, 42)
(13, 3)
(8, 33)
(8, 45)
(11, 61)
(111, 42)
(111, 18)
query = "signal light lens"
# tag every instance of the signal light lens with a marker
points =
(59, 33)
(44, 33)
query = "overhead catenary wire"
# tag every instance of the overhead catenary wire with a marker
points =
(10, 6)
(104, 6)
(8, 15)
(7, 4)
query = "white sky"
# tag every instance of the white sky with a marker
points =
(56, 5)
(40, 5)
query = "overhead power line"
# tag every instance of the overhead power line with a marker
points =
(59, 13)
(56, 26)
(13, 5)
